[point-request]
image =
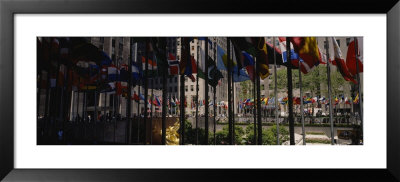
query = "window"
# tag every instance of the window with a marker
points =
(170, 80)
(102, 39)
(186, 88)
(170, 89)
(176, 79)
(347, 41)
(192, 48)
(191, 88)
(262, 87)
(113, 43)
(176, 88)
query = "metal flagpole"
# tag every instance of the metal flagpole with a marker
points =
(164, 105)
(276, 96)
(77, 107)
(146, 67)
(301, 106)
(359, 84)
(152, 99)
(233, 98)
(228, 45)
(182, 91)
(113, 117)
(290, 92)
(258, 102)
(254, 102)
(95, 108)
(128, 98)
(206, 92)
(197, 94)
(138, 107)
(329, 90)
(215, 98)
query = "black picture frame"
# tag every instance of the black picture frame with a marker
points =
(9, 8)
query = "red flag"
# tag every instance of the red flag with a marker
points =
(135, 97)
(351, 56)
(340, 63)
(173, 65)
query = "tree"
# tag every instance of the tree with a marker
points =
(246, 89)
(222, 137)
(269, 136)
(312, 81)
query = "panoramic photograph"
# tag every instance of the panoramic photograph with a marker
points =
(199, 91)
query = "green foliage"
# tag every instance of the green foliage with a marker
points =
(190, 134)
(269, 136)
(246, 88)
(222, 137)
(323, 141)
(311, 81)
(315, 133)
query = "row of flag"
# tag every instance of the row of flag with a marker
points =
(82, 66)
(297, 101)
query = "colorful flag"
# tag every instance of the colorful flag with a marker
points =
(339, 61)
(294, 57)
(157, 101)
(308, 51)
(113, 73)
(351, 56)
(136, 73)
(141, 97)
(152, 66)
(356, 99)
(135, 97)
(173, 65)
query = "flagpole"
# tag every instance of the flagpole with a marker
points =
(138, 107)
(233, 98)
(164, 104)
(95, 108)
(77, 101)
(228, 45)
(359, 85)
(128, 98)
(113, 114)
(329, 91)
(146, 86)
(152, 99)
(197, 94)
(215, 91)
(276, 95)
(182, 92)
(206, 106)
(290, 92)
(254, 102)
(301, 105)
(259, 121)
